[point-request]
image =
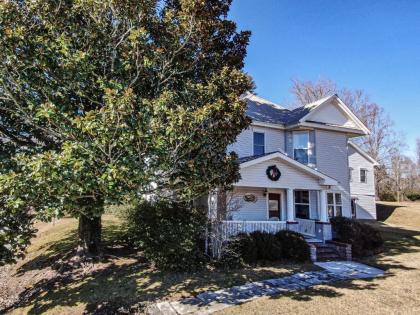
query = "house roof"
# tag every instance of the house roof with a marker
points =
(254, 159)
(262, 110)
(363, 153)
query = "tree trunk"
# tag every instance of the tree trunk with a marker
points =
(90, 235)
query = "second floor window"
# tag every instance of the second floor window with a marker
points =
(350, 174)
(259, 143)
(301, 146)
(363, 175)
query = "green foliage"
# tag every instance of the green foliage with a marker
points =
(387, 196)
(364, 239)
(413, 196)
(170, 234)
(293, 246)
(263, 246)
(16, 230)
(106, 100)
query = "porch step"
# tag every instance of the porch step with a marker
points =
(325, 252)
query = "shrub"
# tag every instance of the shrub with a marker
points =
(387, 196)
(293, 246)
(413, 196)
(171, 234)
(363, 238)
(260, 246)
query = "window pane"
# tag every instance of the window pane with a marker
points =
(258, 143)
(338, 211)
(330, 211)
(300, 140)
(330, 198)
(302, 196)
(363, 176)
(258, 138)
(301, 155)
(273, 205)
(302, 211)
(338, 199)
(258, 150)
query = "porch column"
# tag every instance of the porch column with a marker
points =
(323, 215)
(290, 206)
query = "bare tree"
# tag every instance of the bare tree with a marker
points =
(380, 143)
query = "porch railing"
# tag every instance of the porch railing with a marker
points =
(231, 228)
(305, 227)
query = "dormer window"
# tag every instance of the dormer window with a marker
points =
(259, 143)
(301, 146)
(363, 175)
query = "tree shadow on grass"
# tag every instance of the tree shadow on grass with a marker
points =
(62, 249)
(131, 286)
(384, 211)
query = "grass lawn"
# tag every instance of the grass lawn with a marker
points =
(122, 281)
(397, 293)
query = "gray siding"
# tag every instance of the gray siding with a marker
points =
(244, 145)
(363, 192)
(332, 160)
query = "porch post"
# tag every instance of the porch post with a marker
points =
(290, 206)
(323, 206)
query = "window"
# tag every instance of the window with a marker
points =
(335, 205)
(302, 204)
(301, 146)
(350, 174)
(259, 143)
(363, 175)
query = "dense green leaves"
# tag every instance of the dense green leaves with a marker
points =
(105, 100)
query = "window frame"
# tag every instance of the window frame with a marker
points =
(302, 203)
(258, 145)
(351, 169)
(360, 175)
(335, 205)
(300, 132)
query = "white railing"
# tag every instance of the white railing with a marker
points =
(231, 228)
(306, 227)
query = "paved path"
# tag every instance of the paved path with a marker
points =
(212, 301)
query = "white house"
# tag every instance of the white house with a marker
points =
(298, 169)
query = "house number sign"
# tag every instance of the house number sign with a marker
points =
(273, 173)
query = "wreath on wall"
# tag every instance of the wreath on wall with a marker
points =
(273, 173)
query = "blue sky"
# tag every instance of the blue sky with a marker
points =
(369, 45)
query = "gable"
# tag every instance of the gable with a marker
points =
(331, 114)
(291, 177)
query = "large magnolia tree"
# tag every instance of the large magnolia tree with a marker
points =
(103, 100)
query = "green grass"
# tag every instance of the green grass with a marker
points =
(121, 280)
(396, 293)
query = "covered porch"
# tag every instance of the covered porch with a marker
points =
(278, 193)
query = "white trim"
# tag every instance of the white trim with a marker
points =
(363, 153)
(265, 124)
(313, 125)
(343, 107)
(253, 141)
(324, 179)
(366, 175)
(293, 142)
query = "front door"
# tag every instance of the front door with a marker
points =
(274, 206)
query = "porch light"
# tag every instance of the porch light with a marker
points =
(265, 192)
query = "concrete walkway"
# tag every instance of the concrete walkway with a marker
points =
(212, 301)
